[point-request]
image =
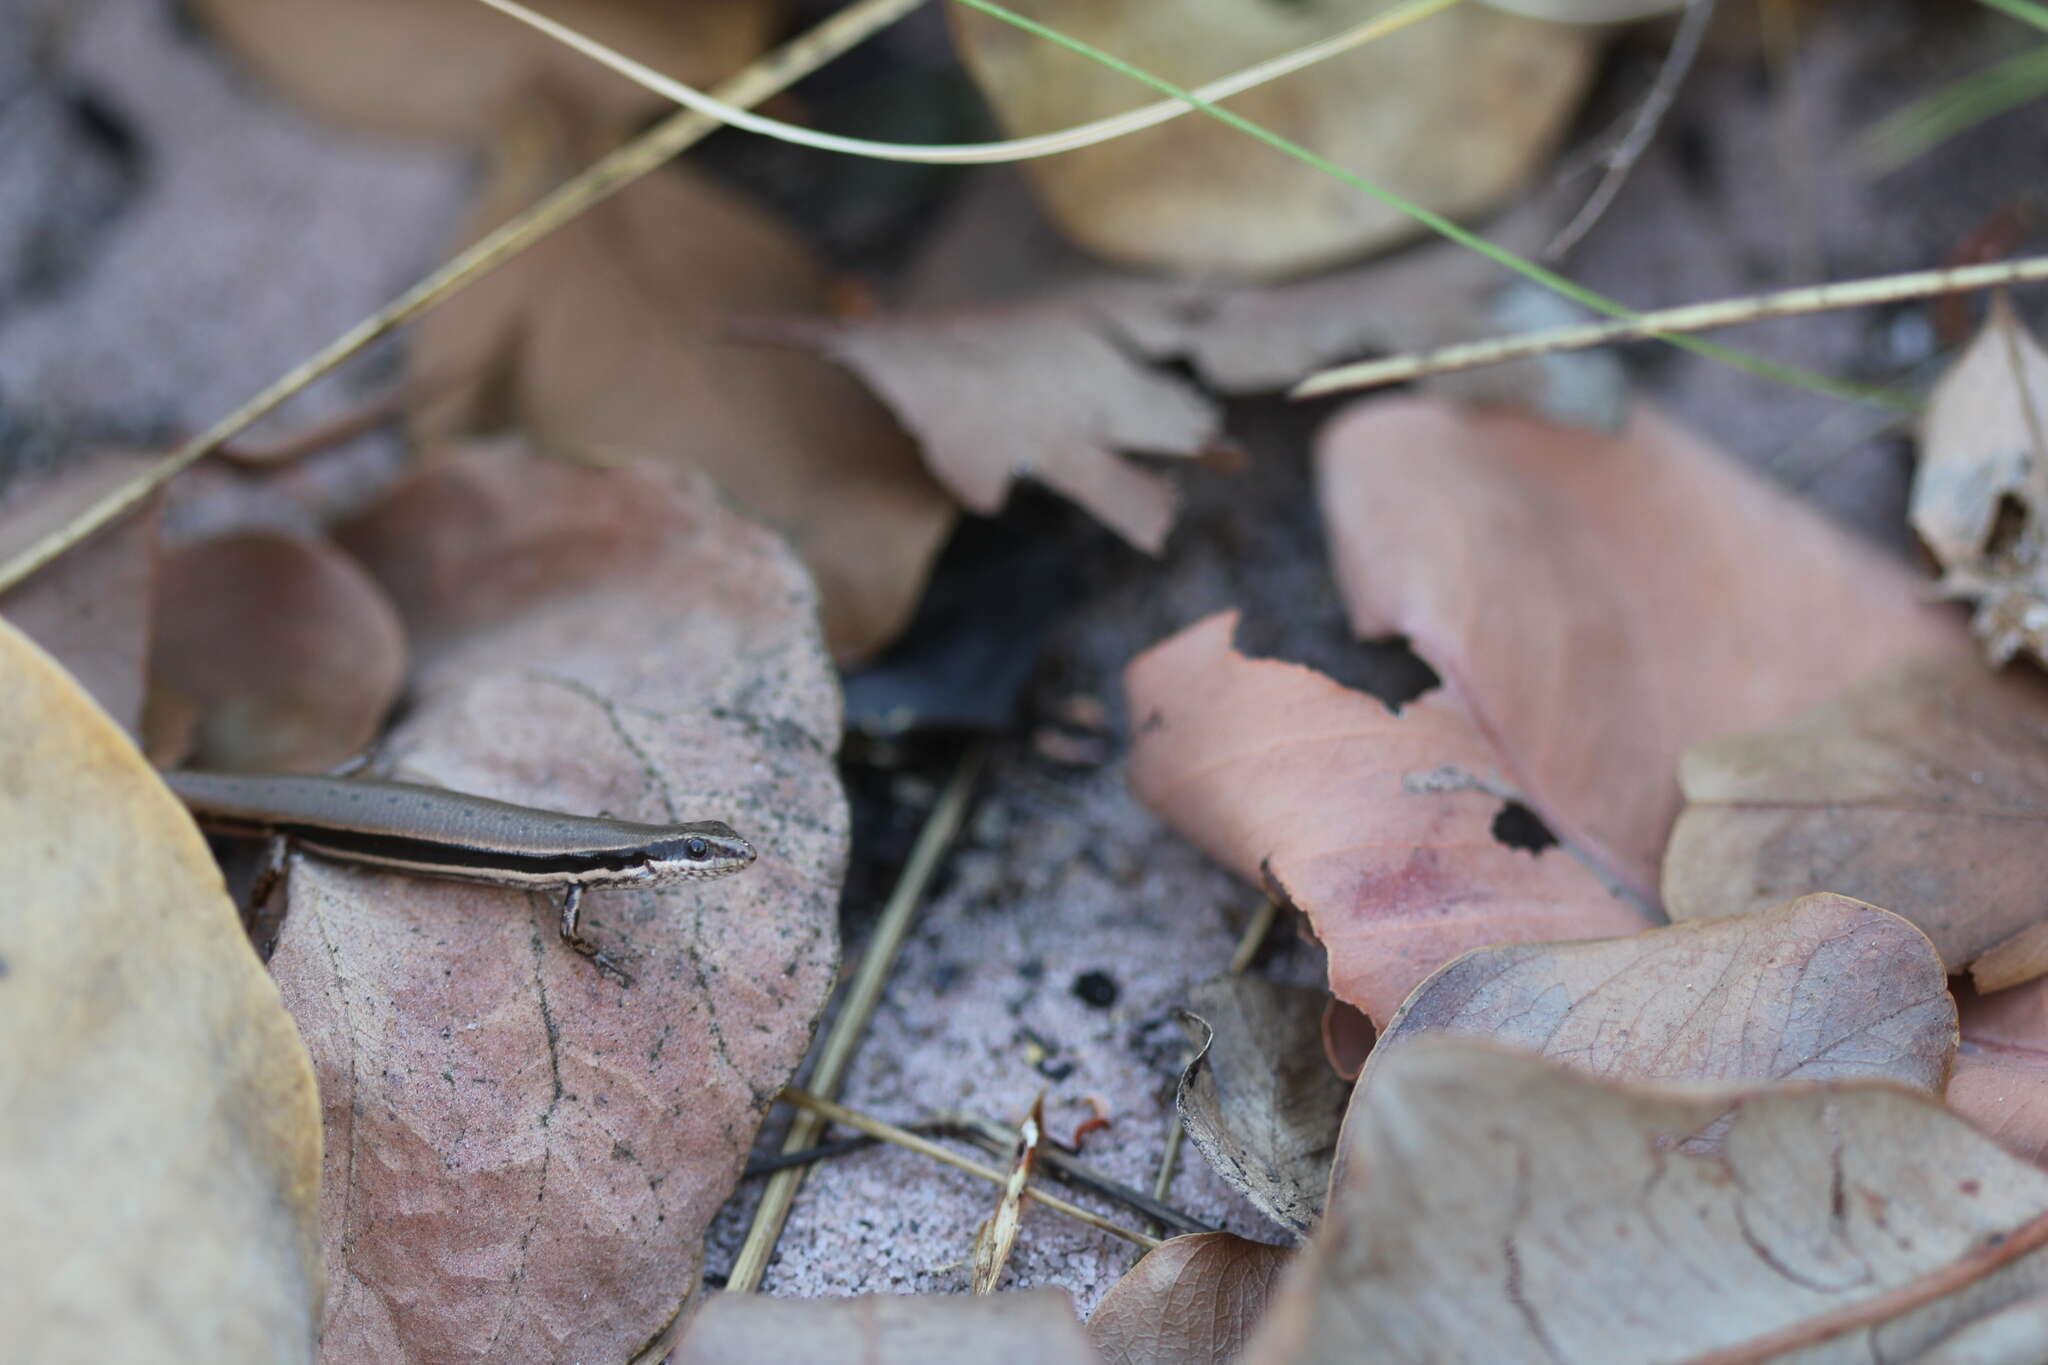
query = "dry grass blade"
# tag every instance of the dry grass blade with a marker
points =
(903, 1137)
(976, 153)
(1695, 317)
(607, 176)
(861, 996)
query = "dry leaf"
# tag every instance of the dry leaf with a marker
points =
(1924, 790)
(2001, 1075)
(449, 68)
(1980, 497)
(1494, 1207)
(159, 1132)
(90, 609)
(1258, 1099)
(1284, 775)
(1042, 390)
(523, 1155)
(286, 654)
(1031, 1327)
(609, 338)
(997, 1234)
(1452, 113)
(1824, 988)
(1601, 604)
(1190, 1301)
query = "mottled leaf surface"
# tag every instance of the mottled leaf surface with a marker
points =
(521, 1153)
(1493, 1206)
(1924, 790)
(1823, 988)
(1190, 1301)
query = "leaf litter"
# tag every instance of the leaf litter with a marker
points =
(541, 574)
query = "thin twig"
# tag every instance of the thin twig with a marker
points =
(1694, 317)
(606, 177)
(1071, 1170)
(903, 1137)
(1169, 1158)
(933, 840)
(1685, 45)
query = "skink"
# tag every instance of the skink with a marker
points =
(433, 832)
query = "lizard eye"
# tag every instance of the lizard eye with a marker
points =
(696, 847)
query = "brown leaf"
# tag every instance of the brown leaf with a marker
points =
(1258, 1099)
(287, 652)
(1980, 497)
(449, 68)
(1042, 390)
(997, 1235)
(1191, 1300)
(2001, 1075)
(522, 1155)
(1282, 774)
(1924, 790)
(1823, 988)
(1030, 1327)
(1601, 604)
(89, 609)
(1492, 1206)
(608, 339)
(159, 1135)
(1452, 113)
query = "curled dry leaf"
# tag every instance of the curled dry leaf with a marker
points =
(1600, 604)
(521, 1154)
(1824, 988)
(1980, 497)
(609, 339)
(1258, 1099)
(1493, 1206)
(1283, 774)
(1451, 113)
(1032, 1327)
(90, 609)
(284, 653)
(1042, 390)
(159, 1132)
(997, 1235)
(1190, 1301)
(450, 68)
(1924, 790)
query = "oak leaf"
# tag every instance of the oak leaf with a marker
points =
(608, 338)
